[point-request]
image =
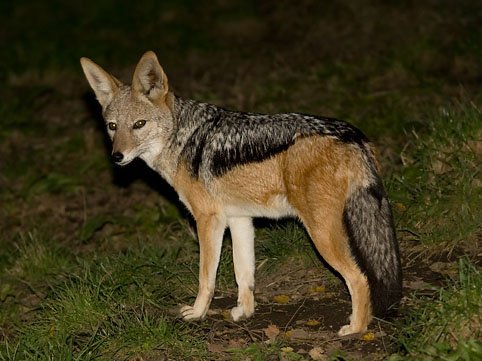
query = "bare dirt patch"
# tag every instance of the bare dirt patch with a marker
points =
(302, 311)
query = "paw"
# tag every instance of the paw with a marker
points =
(350, 330)
(238, 313)
(242, 311)
(191, 313)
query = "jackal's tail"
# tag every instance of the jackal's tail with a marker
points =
(369, 224)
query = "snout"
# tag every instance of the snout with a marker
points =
(117, 157)
(122, 159)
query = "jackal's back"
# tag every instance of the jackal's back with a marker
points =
(217, 140)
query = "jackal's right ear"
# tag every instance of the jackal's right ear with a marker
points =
(103, 84)
(149, 78)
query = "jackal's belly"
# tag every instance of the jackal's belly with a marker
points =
(276, 206)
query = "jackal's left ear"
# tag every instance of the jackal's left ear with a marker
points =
(149, 78)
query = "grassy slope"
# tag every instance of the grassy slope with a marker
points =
(84, 247)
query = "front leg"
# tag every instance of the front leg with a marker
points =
(210, 229)
(242, 234)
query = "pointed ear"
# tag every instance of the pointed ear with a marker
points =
(149, 78)
(102, 83)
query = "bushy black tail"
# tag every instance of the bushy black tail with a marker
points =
(369, 224)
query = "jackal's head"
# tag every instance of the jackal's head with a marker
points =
(138, 117)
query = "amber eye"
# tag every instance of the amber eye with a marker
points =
(112, 126)
(139, 124)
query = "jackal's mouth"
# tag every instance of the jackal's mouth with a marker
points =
(121, 159)
(123, 163)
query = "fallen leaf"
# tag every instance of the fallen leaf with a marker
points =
(317, 354)
(312, 323)
(317, 289)
(281, 299)
(272, 331)
(299, 333)
(237, 343)
(369, 336)
(400, 207)
(226, 315)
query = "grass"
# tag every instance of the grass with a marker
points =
(446, 326)
(437, 191)
(95, 306)
(94, 259)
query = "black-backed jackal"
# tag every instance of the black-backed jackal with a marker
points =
(229, 167)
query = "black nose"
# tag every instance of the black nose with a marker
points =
(117, 157)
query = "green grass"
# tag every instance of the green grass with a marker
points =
(94, 259)
(96, 307)
(447, 325)
(437, 191)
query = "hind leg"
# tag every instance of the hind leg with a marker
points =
(321, 174)
(330, 240)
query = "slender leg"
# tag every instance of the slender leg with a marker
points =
(210, 233)
(242, 234)
(332, 244)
